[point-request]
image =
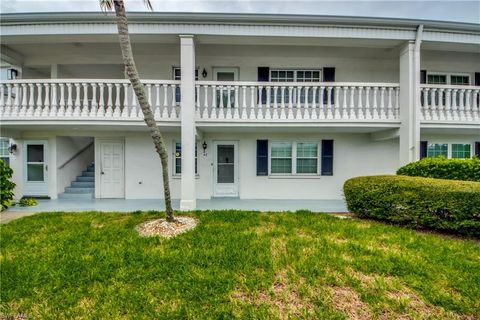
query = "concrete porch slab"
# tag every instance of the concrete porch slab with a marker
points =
(127, 205)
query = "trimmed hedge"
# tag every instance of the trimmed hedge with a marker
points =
(447, 205)
(443, 168)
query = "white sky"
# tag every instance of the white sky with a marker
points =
(446, 10)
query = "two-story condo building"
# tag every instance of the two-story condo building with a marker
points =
(251, 106)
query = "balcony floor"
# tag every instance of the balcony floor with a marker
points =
(124, 205)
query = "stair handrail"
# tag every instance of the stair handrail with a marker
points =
(76, 154)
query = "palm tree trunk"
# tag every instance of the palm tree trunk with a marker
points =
(132, 73)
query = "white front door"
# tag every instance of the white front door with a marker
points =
(112, 169)
(226, 169)
(36, 168)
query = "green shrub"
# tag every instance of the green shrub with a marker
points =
(442, 168)
(417, 202)
(27, 202)
(6, 186)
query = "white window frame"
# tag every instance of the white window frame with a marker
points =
(448, 76)
(8, 153)
(295, 70)
(294, 159)
(174, 157)
(450, 148)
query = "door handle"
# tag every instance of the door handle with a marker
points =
(102, 172)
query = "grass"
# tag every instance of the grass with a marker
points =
(246, 265)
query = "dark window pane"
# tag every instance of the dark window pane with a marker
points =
(35, 172)
(35, 153)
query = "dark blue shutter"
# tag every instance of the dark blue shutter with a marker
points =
(423, 76)
(263, 75)
(262, 157)
(477, 149)
(423, 149)
(328, 76)
(327, 158)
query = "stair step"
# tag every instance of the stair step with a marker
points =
(85, 179)
(88, 174)
(79, 190)
(91, 168)
(76, 196)
(83, 184)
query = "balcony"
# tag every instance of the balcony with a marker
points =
(90, 99)
(450, 103)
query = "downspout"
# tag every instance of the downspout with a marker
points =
(416, 82)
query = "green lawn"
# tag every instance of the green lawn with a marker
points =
(246, 265)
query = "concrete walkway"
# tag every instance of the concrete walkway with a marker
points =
(126, 205)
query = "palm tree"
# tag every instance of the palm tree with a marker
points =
(139, 89)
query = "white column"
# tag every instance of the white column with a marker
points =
(187, 110)
(52, 167)
(409, 104)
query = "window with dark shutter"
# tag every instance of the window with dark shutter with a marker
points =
(262, 157)
(263, 75)
(327, 158)
(477, 149)
(329, 76)
(423, 149)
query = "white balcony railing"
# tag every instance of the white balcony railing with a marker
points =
(85, 99)
(450, 103)
(296, 101)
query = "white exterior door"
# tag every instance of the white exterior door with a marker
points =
(36, 168)
(226, 169)
(112, 166)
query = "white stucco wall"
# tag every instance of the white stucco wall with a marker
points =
(354, 154)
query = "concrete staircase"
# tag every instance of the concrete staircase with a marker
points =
(83, 187)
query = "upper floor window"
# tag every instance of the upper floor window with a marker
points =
(177, 75)
(448, 78)
(284, 75)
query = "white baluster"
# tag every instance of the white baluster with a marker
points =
(314, 115)
(376, 114)
(109, 111)
(205, 102)
(468, 106)
(344, 103)
(77, 110)
(46, 107)
(61, 110)
(213, 113)
(94, 103)
(165, 111)
(197, 101)
(329, 103)
(2, 98)
(461, 107)
(352, 104)
(125, 110)
(290, 103)
(336, 103)
(244, 103)
(260, 103)
(268, 115)
(306, 113)
(382, 103)
(397, 103)
(221, 114)
(368, 114)
(16, 101)
(321, 111)
(283, 115)
(101, 101)
(85, 111)
(23, 108)
(116, 111)
(174, 113)
(69, 111)
(454, 105)
(39, 104)
(53, 109)
(448, 104)
(389, 104)
(252, 103)
(236, 114)
(31, 100)
(8, 104)
(228, 107)
(298, 104)
(476, 104)
(360, 114)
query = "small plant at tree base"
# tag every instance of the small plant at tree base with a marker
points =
(6, 185)
(27, 202)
